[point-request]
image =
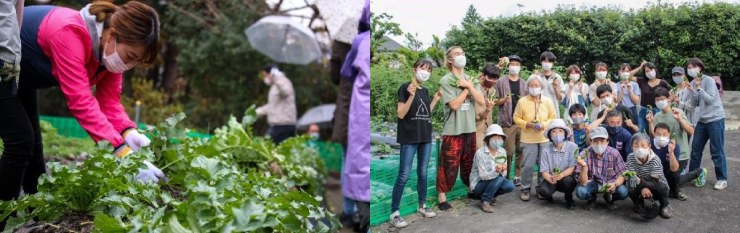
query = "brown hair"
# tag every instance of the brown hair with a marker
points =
(135, 23)
(447, 57)
(573, 68)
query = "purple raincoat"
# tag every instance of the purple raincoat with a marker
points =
(357, 164)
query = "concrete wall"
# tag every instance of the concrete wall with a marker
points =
(731, 103)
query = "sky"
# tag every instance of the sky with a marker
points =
(435, 17)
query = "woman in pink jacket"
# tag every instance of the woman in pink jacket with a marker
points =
(74, 50)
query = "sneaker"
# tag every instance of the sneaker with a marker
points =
(493, 202)
(426, 212)
(397, 221)
(486, 207)
(721, 184)
(524, 196)
(517, 181)
(540, 197)
(702, 179)
(609, 202)
(681, 196)
(444, 206)
(570, 205)
(666, 212)
(589, 205)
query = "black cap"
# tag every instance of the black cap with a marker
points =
(515, 58)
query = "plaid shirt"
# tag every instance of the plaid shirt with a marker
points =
(605, 170)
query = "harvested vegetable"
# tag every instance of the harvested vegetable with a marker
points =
(604, 188)
(500, 159)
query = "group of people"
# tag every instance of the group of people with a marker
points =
(624, 139)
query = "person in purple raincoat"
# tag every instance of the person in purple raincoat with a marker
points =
(357, 164)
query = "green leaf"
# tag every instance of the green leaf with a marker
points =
(107, 224)
(174, 226)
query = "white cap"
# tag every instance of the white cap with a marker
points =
(599, 132)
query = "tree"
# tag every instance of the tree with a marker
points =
(412, 42)
(380, 26)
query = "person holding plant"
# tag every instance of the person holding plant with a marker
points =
(683, 94)
(558, 163)
(599, 170)
(606, 95)
(628, 90)
(552, 83)
(619, 138)
(458, 136)
(509, 90)
(580, 134)
(601, 79)
(647, 90)
(649, 182)
(710, 124)
(489, 168)
(662, 144)
(483, 116)
(533, 114)
(415, 137)
(74, 50)
(576, 89)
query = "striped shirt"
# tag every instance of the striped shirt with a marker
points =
(604, 170)
(648, 170)
(562, 159)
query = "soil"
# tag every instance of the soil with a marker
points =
(69, 223)
(67, 160)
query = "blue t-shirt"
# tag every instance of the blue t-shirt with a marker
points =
(621, 140)
(662, 154)
(579, 136)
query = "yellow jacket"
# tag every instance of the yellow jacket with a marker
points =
(525, 112)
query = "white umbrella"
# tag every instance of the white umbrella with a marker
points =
(341, 17)
(321, 115)
(284, 40)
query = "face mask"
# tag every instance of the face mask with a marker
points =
(661, 104)
(650, 75)
(113, 63)
(557, 139)
(641, 153)
(599, 149)
(514, 69)
(546, 66)
(660, 142)
(315, 136)
(460, 61)
(611, 129)
(624, 75)
(534, 91)
(693, 72)
(267, 81)
(422, 75)
(495, 144)
(678, 79)
(607, 100)
(601, 74)
(578, 120)
(575, 77)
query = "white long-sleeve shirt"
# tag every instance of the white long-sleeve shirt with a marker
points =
(280, 108)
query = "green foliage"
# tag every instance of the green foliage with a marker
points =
(380, 26)
(210, 190)
(155, 105)
(55, 144)
(667, 35)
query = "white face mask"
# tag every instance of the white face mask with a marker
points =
(650, 75)
(113, 62)
(678, 79)
(607, 100)
(661, 142)
(662, 104)
(599, 149)
(422, 75)
(693, 72)
(495, 144)
(514, 69)
(546, 66)
(624, 75)
(534, 91)
(267, 81)
(557, 139)
(641, 153)
(575, 77)
(460, 61)
(601, 75)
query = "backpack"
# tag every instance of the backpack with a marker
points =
(720, 88)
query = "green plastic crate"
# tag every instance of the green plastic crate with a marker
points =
(69, 127)
(330, 152)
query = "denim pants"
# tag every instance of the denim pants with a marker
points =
(642, 119)
(423, 151)
(489, 189)
(349, 205)
(589, 192)
(714, 132)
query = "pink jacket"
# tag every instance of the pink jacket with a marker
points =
(66, 42)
